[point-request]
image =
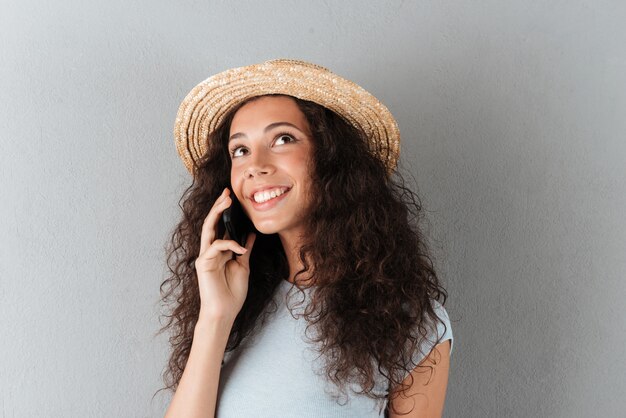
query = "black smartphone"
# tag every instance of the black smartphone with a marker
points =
(236, 222)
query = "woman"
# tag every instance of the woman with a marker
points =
(310, 156)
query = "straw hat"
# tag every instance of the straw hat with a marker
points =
(204, 108)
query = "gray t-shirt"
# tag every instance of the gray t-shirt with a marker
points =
(276, 371)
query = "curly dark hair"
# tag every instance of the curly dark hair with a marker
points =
(372, 295)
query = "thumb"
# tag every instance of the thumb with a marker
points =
(245, 258)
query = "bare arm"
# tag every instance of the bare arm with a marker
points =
(196, 394)
(428, 392)
(223, 286)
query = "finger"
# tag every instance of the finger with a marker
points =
(214, 264)
(209, 227)
(244, 259)
(211, 259)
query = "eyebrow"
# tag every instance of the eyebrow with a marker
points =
(267, 128)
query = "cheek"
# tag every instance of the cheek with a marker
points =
(235, 173)
(304, 179)
(297, 163)
(235, 183)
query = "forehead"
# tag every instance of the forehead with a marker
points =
(267, 109)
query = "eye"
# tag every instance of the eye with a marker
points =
(287, 135)
(278, 137)
(233, 151)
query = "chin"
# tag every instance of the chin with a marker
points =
(266, 229)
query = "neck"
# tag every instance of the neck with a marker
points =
(291, 245)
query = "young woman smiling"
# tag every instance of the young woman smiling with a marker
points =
(331, 309)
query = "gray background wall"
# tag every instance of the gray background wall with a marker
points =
(512, 116)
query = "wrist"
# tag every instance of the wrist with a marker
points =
(213, 326)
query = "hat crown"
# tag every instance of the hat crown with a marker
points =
(290, 61)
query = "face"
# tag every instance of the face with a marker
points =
(270, 147)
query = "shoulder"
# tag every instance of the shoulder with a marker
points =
(444, 327)
(438, 331)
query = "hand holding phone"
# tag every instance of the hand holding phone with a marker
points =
(236, 222)
(223, 286)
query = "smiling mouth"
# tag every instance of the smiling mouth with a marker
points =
(269, 196)
(268, 204)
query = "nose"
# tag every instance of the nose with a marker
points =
(258, 164)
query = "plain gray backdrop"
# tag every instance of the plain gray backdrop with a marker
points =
(513, 120)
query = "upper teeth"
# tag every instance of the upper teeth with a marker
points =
(266, 195)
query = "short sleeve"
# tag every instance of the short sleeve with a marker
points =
(444, 332)
(444, 329)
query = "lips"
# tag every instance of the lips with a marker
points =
(263, 188)
(267, 205)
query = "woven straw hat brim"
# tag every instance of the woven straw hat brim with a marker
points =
(206, 105)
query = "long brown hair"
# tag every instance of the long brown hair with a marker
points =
(372, 295)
